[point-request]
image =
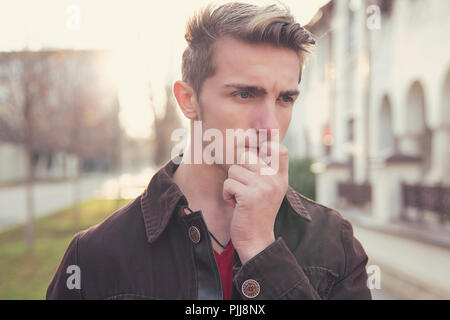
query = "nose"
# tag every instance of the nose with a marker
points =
(267, 119)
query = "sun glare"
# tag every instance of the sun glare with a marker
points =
(146, 40)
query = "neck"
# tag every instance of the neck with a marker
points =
(202, 185)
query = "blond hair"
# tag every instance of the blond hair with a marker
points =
(250, 23)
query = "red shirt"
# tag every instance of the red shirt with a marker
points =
(225, 263)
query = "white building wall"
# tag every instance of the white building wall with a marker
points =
(420, 53)
(381, 81)
(340, 27)
(360, 86)
(12, 162)
(312, 110)
(410, 46)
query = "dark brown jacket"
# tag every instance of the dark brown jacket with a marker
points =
(145, 250)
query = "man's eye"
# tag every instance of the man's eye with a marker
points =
(242, 94)
(287, 99)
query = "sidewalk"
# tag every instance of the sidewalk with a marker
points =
(50, 197)
(410, 269)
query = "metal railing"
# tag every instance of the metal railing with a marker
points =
(356, 194)
(435, 199)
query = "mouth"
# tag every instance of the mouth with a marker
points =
(253, 148)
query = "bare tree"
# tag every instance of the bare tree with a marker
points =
(92, 119)
(57, 101)
(25, 81)
(164, 126)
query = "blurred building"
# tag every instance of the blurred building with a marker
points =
(374, 113)
(53, 165)
(375, 108)
(70, 101)
(136, 153)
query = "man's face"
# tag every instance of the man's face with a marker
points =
(254, 87)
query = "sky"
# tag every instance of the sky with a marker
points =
(146, 38)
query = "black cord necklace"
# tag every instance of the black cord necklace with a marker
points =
(217, 241)
(214, 238)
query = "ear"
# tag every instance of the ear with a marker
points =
(187, 99)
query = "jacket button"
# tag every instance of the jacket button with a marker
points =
(194, 234)
(250, 288)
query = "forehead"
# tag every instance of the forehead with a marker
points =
(259, 64)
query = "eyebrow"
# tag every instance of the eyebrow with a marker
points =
(259, 90)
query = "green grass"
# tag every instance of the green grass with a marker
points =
(26, 273)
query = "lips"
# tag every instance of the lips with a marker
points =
(253, 148)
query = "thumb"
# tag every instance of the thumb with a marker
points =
(229, 191)
(284, 159)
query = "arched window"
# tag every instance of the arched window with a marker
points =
(416, 125)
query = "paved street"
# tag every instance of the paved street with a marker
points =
(383, 294)
(50, 197)
(409, 269)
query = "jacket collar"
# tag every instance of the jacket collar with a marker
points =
(162, 195)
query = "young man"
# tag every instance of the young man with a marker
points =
(224, 230)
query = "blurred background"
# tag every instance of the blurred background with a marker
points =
(86, 114)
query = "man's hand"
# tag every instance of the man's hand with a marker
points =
(256, 200)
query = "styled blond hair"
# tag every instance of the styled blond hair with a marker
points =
(253, 24)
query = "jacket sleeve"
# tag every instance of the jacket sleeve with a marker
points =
(279, 275)
(65, 284)
(353, 285)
